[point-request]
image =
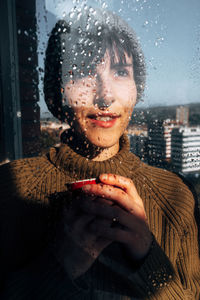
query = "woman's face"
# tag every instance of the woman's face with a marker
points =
(103, 103)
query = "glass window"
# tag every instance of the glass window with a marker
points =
(169, 35)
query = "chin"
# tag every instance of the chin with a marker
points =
(103, 142)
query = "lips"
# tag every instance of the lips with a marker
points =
(105, 120)
(103, 116)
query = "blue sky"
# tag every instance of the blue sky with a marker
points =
(169, 32)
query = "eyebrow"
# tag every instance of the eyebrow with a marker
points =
(120, 64)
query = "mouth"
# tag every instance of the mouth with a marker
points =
(105, 120)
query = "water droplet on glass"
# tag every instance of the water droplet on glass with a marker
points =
(79, 16)
(71, 15)
(19, 114)
(104, 5)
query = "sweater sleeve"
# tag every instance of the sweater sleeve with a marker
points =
(175, 279)
(148, 277)
(43, 279)
(157, 277)
(171, 270)
(23, 229)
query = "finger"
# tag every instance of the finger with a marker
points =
(110, 193)
(129, 201)
(79, 224)
(107, 212)
(130, 221)
(104, 201)
(103, 228)
(137, 243)
(124, 183)
(80, 197)
(94, 198)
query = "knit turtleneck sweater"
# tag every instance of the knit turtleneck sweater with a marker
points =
(29, 267)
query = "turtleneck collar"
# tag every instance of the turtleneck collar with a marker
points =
(66, 158)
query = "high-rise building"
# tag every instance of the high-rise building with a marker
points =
(182, 115)
(168, 126)
(159, 133)
(185, 152)
(138, 141)
(156, 144)
(138, 145)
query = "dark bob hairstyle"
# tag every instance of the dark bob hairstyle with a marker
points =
(77, 44)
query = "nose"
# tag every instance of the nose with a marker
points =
(104, 95)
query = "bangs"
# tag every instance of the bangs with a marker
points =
(117, 46)
(94, 48)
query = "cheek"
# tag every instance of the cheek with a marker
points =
(125, 117)
(133, 95)
(79, 97)
(127, 95)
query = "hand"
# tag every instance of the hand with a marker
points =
(127, 209)
(76, 246)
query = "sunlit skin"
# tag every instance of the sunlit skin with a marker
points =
(115, 197)
(111, 84)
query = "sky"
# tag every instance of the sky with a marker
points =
(169, 33)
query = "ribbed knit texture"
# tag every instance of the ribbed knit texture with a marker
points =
(171, 270)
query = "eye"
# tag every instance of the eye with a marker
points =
(121, 73)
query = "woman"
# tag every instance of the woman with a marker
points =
(132, 235)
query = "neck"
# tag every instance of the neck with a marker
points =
(80, 167)
(86, 149)
(107, 153)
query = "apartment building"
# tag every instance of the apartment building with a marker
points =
(138, 137)
(185, 149)
(182, 115)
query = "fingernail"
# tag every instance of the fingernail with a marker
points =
(104, 176)
(86, 187)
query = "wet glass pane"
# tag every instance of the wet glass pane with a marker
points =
(100, 149)
(170, 103)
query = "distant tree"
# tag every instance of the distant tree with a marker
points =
(194, 119)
